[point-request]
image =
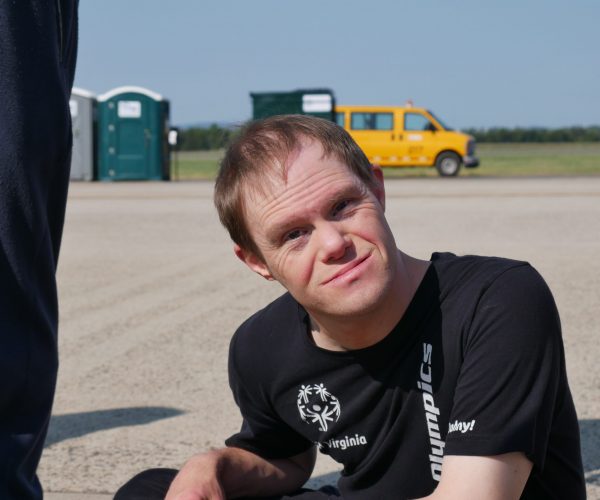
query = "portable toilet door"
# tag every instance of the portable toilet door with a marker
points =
(83, 107)
(132, 135)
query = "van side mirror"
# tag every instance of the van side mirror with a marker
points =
(430, 127)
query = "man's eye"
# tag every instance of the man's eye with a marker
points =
(340, 207)
(293, 235)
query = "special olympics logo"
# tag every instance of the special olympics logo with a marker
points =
(318, 406)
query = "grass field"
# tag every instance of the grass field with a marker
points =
(502, 160)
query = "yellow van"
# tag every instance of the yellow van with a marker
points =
(394, 136)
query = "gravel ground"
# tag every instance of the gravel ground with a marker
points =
(151, 292)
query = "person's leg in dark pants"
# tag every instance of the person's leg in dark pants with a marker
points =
(38, 40)
(153, 484)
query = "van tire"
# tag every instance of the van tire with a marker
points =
(448, 164)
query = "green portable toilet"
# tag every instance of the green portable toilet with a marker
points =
(315, 102)
(133, 125)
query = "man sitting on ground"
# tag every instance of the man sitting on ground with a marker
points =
(440, 379)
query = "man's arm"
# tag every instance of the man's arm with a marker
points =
(234, 472)
(499, 477)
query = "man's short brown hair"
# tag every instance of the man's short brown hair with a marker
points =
(262, 149)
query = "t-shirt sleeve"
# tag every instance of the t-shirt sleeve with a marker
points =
(509, 379)
(262, 432)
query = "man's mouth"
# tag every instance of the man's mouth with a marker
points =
(347, 269)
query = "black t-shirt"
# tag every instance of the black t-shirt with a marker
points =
(474, 367)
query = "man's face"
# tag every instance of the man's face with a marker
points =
(322, 234)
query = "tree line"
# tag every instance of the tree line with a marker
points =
(205, 138)
(217, 137)
(536, 134)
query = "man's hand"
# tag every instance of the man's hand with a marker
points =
(233, 472)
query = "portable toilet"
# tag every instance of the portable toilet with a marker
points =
(133, 125)
(83, 116)
(315, 102)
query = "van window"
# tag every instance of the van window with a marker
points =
(340, 119)
(416, 121)
(372, 121)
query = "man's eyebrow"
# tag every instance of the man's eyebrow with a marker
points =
(350, 189)
(279, 227)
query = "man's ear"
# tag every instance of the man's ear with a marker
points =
(379, 189)
(253, 262)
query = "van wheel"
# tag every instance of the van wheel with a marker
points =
(448, 164)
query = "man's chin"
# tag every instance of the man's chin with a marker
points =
(354, 305)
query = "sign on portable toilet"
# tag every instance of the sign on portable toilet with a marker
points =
(83, 110)
(133, 126)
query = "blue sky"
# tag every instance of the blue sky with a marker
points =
(475, 64)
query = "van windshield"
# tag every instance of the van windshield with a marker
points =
(444, 126)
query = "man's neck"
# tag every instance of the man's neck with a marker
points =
(359, 332)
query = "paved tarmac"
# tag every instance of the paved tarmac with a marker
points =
(150, 293)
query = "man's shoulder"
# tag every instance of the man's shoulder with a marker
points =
(268, 327)
(450, 262)
(491, 291)
(282, 310)
(476, 271)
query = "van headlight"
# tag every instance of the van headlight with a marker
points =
(471, 147)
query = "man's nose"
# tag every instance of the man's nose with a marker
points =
(333, 241)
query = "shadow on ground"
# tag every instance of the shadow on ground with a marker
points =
(75, 425)
(590, 448)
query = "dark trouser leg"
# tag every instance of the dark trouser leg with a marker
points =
(38, 41)
(153, 484)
